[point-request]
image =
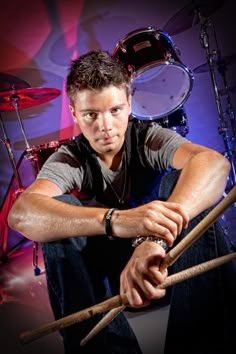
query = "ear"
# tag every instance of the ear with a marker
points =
(129, 101)
(72, 110)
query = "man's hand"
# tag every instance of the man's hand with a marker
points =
(157, 218)
(140, 277)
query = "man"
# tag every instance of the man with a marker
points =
(119, 171)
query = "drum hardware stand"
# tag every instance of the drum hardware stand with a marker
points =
(4, 257)
(15, 102)
(7, 144)
(230, 152)
(20, 189)
(223, 129)
(11, 99)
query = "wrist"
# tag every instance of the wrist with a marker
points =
(108, 223)
(160, 241)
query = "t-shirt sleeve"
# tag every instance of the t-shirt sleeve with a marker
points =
(63, 169)
(161, 144)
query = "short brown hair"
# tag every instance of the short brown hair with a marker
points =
(96, 70)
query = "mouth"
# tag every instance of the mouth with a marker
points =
(108, 139)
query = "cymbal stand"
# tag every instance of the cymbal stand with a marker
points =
(223, 128)
(4, 257)
(15, 102)
(222, 67)
(20, 188)
(7, 144)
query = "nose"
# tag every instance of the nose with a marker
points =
(105, 122)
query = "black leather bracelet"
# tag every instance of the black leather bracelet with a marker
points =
(108, 228)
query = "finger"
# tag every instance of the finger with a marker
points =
(157, 277)
(173, 211)
(133, 285)
(177, 208)
(174, 221)
(128, 287)
(158, 230)
(151, 291)
(148, 282)
(136, 297)
(165, 222)
(168, 223)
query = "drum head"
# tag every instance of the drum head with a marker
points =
(159, 90)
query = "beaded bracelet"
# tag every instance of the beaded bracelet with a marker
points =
(108, 228)
(160, 241)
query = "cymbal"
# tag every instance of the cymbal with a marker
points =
(26, 98)
(187, 17)
(230, 59)
(9, 82)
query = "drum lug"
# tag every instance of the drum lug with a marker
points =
(131, 69)
(121, 45)
(157, 34)
(169, 57)
(166, 122)
(177, 50)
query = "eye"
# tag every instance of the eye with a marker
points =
(116, 110)
(91, 115)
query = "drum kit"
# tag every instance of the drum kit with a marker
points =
(160, 83)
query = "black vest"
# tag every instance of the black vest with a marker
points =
(145, 180)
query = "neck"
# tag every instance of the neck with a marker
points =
(113, 161)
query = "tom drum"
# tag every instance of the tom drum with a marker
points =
(160, 82)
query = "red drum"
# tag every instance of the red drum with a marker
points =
(38, 154)
(160, 82)
(176, 121)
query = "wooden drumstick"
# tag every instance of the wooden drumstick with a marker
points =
(118, 300)
(29, 336)
(103, 323)
(171, 280)
(199, 229)
(174, 254)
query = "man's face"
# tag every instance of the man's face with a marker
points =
(102, 116)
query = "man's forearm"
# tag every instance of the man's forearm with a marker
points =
(201, 182)
(42, 218)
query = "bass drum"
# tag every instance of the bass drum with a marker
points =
(160, 82)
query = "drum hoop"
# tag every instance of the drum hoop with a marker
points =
(133, 33)
(140, 30)
(151, 65)
(50, 144)
(150, 118)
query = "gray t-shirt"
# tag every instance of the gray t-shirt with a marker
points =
(64, 169)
